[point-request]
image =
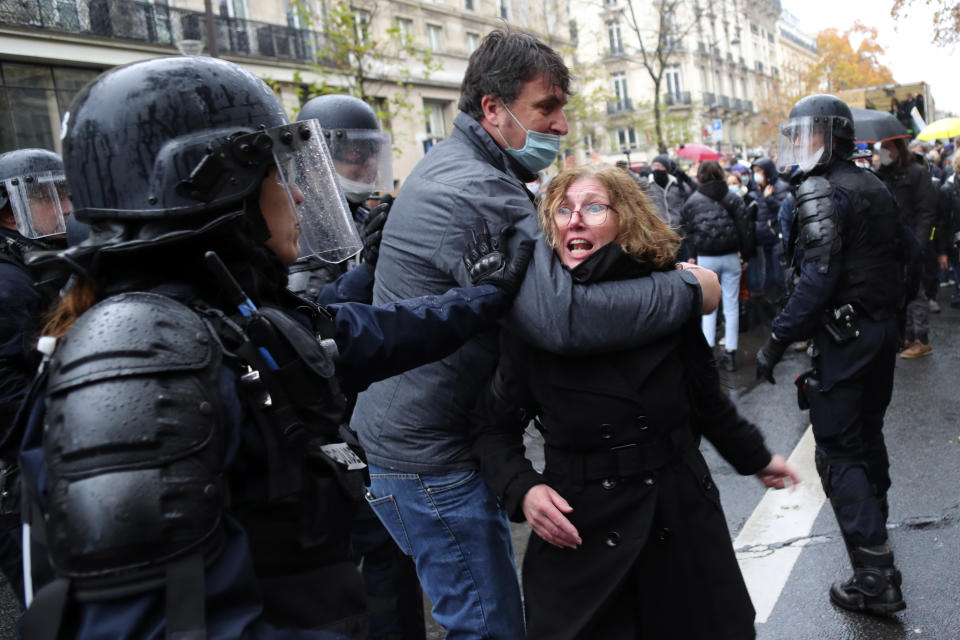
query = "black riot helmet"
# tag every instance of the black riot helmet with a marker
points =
(168, 148)
(807, 137)
(32, 184)
(361, 151)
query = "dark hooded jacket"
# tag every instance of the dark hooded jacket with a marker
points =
(767, 225)
(716, 222)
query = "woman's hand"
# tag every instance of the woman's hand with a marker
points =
(709, 284)
(544, 509)
(777, 473)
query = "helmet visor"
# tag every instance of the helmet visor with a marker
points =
(306, 172)
(362, 158)
(40, 203)
(804, 142)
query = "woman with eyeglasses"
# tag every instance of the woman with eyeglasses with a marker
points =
(628, 534)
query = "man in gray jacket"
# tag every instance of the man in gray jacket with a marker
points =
(425, 484)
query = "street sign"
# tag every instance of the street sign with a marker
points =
(716, 130)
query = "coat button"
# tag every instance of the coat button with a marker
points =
(613, 539)
(663, 534)
(608, 483)
(707, 482)
(641, 423)
(606, 431)
(648, 480)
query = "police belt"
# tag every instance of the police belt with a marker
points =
(619, 462)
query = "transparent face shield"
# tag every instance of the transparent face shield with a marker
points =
(40, 203)
(306, 172)
(363, 161)
(804, 142)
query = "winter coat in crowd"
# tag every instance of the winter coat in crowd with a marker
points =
(716, 222)
(915, 195)
(668, 199)
(767, 224)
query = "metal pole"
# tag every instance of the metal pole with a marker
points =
(212, 48)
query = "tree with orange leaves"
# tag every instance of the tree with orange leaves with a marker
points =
(841, 67)
(946, 19)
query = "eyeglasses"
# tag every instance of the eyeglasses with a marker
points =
(592, 214)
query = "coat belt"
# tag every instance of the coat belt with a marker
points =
(621, 461)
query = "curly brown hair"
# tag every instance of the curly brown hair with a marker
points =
(641, 233)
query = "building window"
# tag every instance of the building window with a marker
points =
(674, 86)
(468, 5)
(626, 138)
(233, 9)
(754, 29)
(613, 34)
(434, 123)
(33, 99)
(405, 30)
(589, 142)
(361, 20)
(620, 89)
(610, 3)
(473, 41)
(434, 36)
(502, 9)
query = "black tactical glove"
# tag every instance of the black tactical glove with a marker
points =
(768, 357)
(488, 260)
(373, 231)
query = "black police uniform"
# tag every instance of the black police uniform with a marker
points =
(847, 274)
(22, 305)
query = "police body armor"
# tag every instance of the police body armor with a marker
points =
(871, 268)
(868, 257)
(134, 444)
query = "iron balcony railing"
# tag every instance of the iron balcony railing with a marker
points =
(623, 105)
(724, 102)
(677, 99)
(140, 21)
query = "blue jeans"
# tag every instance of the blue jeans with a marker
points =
(460, 541)
(763, 272)
(727, 268)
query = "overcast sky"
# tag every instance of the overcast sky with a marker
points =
(909, 52)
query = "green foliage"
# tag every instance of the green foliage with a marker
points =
(357, 61)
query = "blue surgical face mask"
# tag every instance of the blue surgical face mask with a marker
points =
(539, 149)
(734, 189)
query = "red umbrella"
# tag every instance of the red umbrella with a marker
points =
(698, 152)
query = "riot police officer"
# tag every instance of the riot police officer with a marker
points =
(361, 155)
(182, 462)
(845, 271)
(33, 207)
(362, 161)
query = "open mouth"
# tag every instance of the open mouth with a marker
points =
(579, 247)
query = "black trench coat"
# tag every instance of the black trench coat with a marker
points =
(621, 438)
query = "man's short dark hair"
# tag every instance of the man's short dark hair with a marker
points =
(505, 60)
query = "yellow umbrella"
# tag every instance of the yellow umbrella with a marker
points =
(942, 128)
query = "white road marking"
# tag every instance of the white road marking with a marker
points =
(780, 516)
